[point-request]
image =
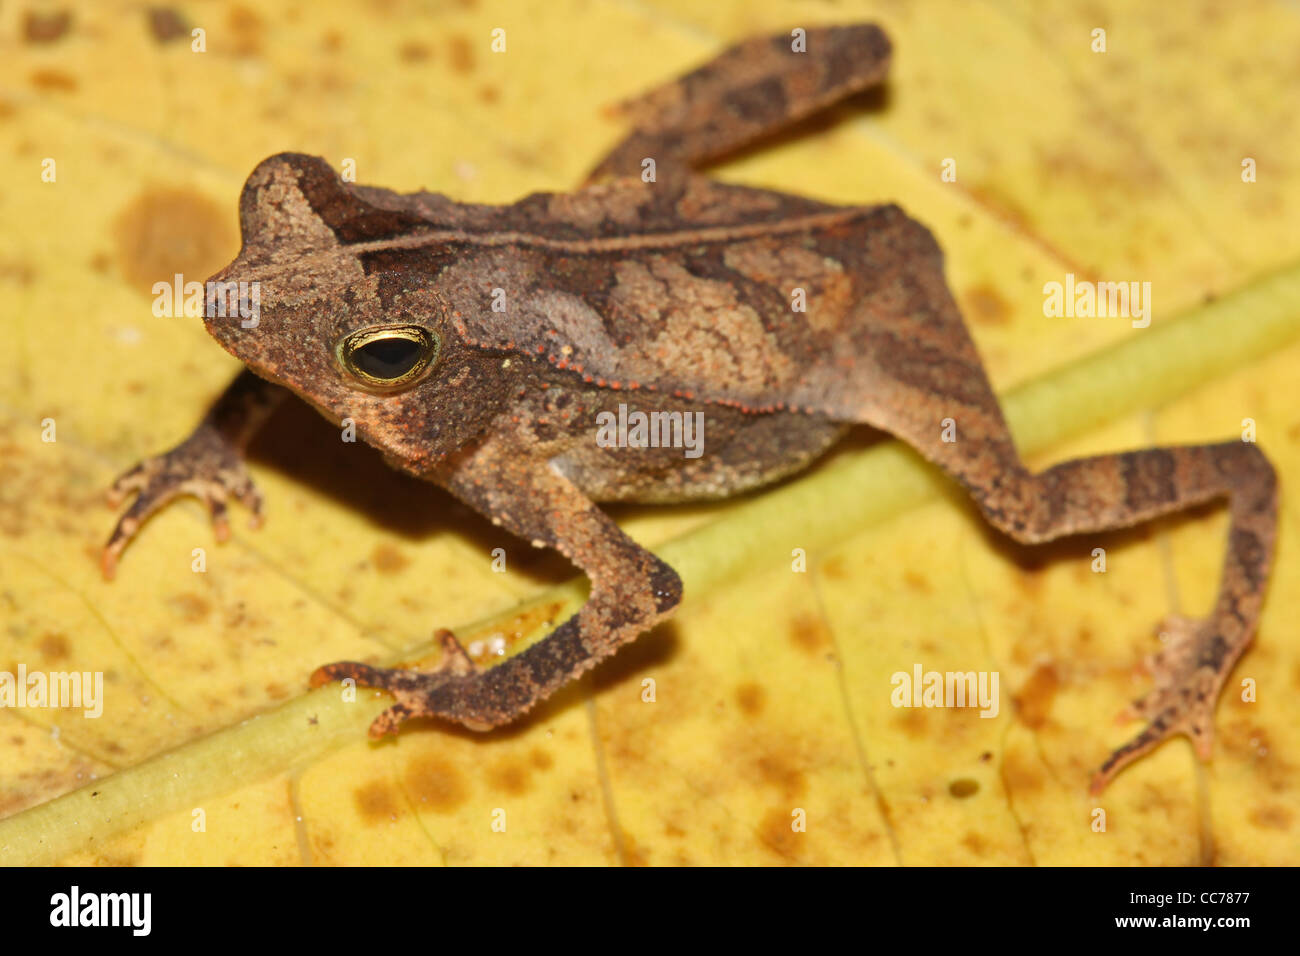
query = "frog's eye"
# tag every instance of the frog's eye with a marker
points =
(389, 357)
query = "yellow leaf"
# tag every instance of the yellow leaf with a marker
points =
(771, 688)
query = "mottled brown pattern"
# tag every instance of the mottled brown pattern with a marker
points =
(672, 295)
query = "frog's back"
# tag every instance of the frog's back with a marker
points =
(755, 299)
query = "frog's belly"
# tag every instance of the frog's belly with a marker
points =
(714, 453)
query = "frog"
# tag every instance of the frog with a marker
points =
(477, 347)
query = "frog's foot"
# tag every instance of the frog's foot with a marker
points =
(442, 692)
(204, 465)
(1188, 673)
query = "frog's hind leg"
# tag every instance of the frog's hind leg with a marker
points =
(921, 379)
(749, 91)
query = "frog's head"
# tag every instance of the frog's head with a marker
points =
(324, 299)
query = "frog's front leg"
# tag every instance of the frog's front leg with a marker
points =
(747, 92)
(631, 591)
(208, 465)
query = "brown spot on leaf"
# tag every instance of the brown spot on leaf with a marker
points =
(916, 581)
(1244, 739)
(912, 721)
(461, 53)
(778, 836)
(975, 843)
(963, 788)
(833, 568)
(322, 845)
(17, 271)
(376, 802)
(777, 771)
(1034, 702)
(436, 784)
(808, 633)
(750, 697)
(190, 607)
(53, 646)
(510, 777)
(166, 231)
(388, 560)
(54, 81)
(541, 759)
(332, 41)
(487, 93)
(246, 31)
(166, 24)
(633, 854)
(1271, 816)
(1020, 777)
(414, 51)
(985, 304)
(45, 26)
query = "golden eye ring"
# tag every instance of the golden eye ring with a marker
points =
(389, 357)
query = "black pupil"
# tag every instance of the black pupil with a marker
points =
(387, 358)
